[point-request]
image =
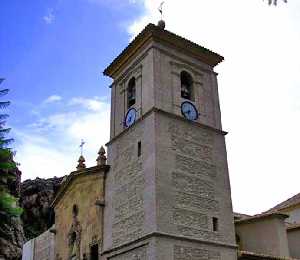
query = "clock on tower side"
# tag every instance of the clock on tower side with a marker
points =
(168, 191)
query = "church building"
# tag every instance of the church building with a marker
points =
(163, 192)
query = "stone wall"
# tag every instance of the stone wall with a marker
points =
(192, 168)
(126, 208)
(293, 235)
(39, 248)
(263, 235)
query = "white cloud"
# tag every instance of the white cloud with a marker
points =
(50, 146)
(258, 85)
(52, 99)
(93, 104)
(49, 17)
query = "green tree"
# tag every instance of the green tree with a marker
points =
(8, 203)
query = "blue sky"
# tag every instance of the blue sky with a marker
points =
(59, 47)
(53, 54)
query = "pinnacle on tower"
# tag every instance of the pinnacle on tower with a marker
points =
(101, 160)
(81, 163)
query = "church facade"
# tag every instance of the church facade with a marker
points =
(164, 191)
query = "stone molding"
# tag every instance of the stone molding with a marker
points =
(157, 110)
(99, 169)
(170, 236)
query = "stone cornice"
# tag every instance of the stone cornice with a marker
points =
(157, 110)
(98, 169)
(154, 33)
(171, 236)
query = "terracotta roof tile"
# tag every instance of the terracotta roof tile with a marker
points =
(261, 216)
(287, 203)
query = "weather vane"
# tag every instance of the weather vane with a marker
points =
(81, 146)
(160, 9)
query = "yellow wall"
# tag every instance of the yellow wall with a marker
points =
(83, 190)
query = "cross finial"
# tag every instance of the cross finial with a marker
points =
(161, 23)
(160, 9)
(81, 146)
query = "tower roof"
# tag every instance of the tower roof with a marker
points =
(155, 33)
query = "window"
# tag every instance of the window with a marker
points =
(186, 85)
(75, 210)
(94, 252)
(238, 241)
(139, 148)
(215, 224)
(131, 92)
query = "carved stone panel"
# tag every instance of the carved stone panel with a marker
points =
(139, 253)
(193, 185)
(194, 253)
(193, 181)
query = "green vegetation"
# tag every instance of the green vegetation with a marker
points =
(8, 203)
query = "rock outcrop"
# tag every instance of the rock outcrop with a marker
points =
(36, 197)
(11, 238)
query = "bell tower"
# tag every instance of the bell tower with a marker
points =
(167, 194)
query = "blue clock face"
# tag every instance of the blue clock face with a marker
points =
(189, 111)
(130, 117)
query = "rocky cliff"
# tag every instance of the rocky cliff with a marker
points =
(11, 238)
(36, 197)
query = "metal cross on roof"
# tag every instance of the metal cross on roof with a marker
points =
(160, 9)
(81, 146)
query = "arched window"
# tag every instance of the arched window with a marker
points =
(131, 92)
(75, 210)
(186, 85)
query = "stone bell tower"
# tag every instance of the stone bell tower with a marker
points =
(167, 194)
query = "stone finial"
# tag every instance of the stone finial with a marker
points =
(81, 163)
(161, 24)
(101, 160)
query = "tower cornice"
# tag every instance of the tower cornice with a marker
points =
(157, 110)
(157, 34)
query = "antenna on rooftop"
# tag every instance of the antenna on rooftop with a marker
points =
(161, 23)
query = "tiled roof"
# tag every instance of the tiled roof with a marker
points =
(250, 255)
(261, 216)
(287, 203)
(239, 216)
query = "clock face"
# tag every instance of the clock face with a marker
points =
(189, 111)
(130, 117)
